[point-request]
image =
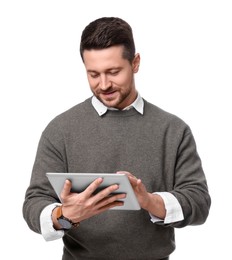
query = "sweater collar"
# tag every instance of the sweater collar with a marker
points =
(101, 109)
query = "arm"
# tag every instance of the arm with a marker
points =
(190, 185)
(77, 207)
(189, 188)
(162, 206)
(51, 157)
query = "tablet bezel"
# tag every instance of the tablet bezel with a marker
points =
(80, 181)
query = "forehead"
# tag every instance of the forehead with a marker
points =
(104, 59)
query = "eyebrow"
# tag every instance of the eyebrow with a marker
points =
(113, 68)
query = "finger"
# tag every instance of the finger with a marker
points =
(106, 196)
(133, 180)
(138, 186)
(105, 193)
(126, 173)
(111, 201)
(110, 206)
(66, 189)
(88, 192)
(141, 186)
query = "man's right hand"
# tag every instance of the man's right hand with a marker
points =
(80, 206)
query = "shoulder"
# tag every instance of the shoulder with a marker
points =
(78, 110)
(163, 118)
(70, 117)
(158, 113)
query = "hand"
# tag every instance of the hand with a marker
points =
(140, 190)
(153, 203)
(80, 206)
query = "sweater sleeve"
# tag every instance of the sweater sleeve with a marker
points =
(50, 157)
(190, 187)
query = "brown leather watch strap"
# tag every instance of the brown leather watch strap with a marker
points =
(59, 214)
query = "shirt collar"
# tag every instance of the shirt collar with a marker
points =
(101, 109)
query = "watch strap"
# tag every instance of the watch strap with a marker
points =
(59, 215)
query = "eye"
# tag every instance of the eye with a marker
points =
(113, 72)
(94, 75)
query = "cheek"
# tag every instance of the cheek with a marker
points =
(125, 80)
(92, 83)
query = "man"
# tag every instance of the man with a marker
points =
(116, 130)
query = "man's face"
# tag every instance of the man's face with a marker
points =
(111, 77)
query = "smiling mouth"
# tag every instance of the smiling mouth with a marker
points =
(108, 94)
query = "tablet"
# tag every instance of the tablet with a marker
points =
(80, 181)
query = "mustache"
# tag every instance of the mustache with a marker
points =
(106, 91)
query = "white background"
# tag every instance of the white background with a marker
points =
(186, 68)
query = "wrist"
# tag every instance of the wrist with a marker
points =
(62, 222)
(155, 205)
(149, 202)
(56, 224)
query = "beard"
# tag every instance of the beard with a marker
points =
(114, 98)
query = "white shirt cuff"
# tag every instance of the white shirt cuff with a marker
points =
(174, 211)
(47, 229)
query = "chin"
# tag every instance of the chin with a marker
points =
(110, 103)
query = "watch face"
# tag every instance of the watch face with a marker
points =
(64, 223)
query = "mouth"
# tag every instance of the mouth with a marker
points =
(108, 94)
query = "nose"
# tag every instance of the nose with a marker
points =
(104, 82)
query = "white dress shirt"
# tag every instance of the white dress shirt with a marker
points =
(174, 211)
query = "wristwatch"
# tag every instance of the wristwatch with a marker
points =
(63, 221)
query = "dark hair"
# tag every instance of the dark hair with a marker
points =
(106, 32)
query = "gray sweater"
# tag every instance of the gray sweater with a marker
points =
(157, 147)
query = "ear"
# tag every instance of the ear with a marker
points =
(136, 63)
